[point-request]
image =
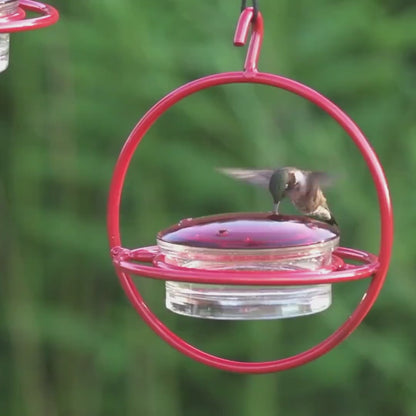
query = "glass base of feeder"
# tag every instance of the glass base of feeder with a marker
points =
(248, 241)
(246, 302)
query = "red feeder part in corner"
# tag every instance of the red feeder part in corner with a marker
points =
(249, 253)
(12, 19)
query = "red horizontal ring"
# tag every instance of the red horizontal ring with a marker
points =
(163, 271)
(17, 23)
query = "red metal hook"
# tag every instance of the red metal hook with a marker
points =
(241, 32)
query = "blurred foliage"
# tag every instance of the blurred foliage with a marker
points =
(70, 342)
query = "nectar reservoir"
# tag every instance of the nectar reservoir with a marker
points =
(252, 242)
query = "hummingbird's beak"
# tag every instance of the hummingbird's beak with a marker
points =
(276, 208)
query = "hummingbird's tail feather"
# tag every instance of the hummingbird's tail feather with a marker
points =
(332, 221)
(322, 213)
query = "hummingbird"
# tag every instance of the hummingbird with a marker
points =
(302, 187)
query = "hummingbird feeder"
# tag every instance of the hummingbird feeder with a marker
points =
(249, 265)
(13, 19)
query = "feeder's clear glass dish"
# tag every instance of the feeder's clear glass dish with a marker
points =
(233, 302)
(6, 7)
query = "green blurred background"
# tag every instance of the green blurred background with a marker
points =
(70, 343)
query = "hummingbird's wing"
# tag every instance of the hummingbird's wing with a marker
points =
(260, 177)
(320, 179)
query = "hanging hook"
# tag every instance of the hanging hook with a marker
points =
(255, 8)
(250, 16)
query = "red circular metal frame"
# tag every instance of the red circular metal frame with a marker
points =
(125, 261)
(17, 22)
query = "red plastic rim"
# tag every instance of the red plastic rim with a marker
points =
(124, 266)
(18, 23)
